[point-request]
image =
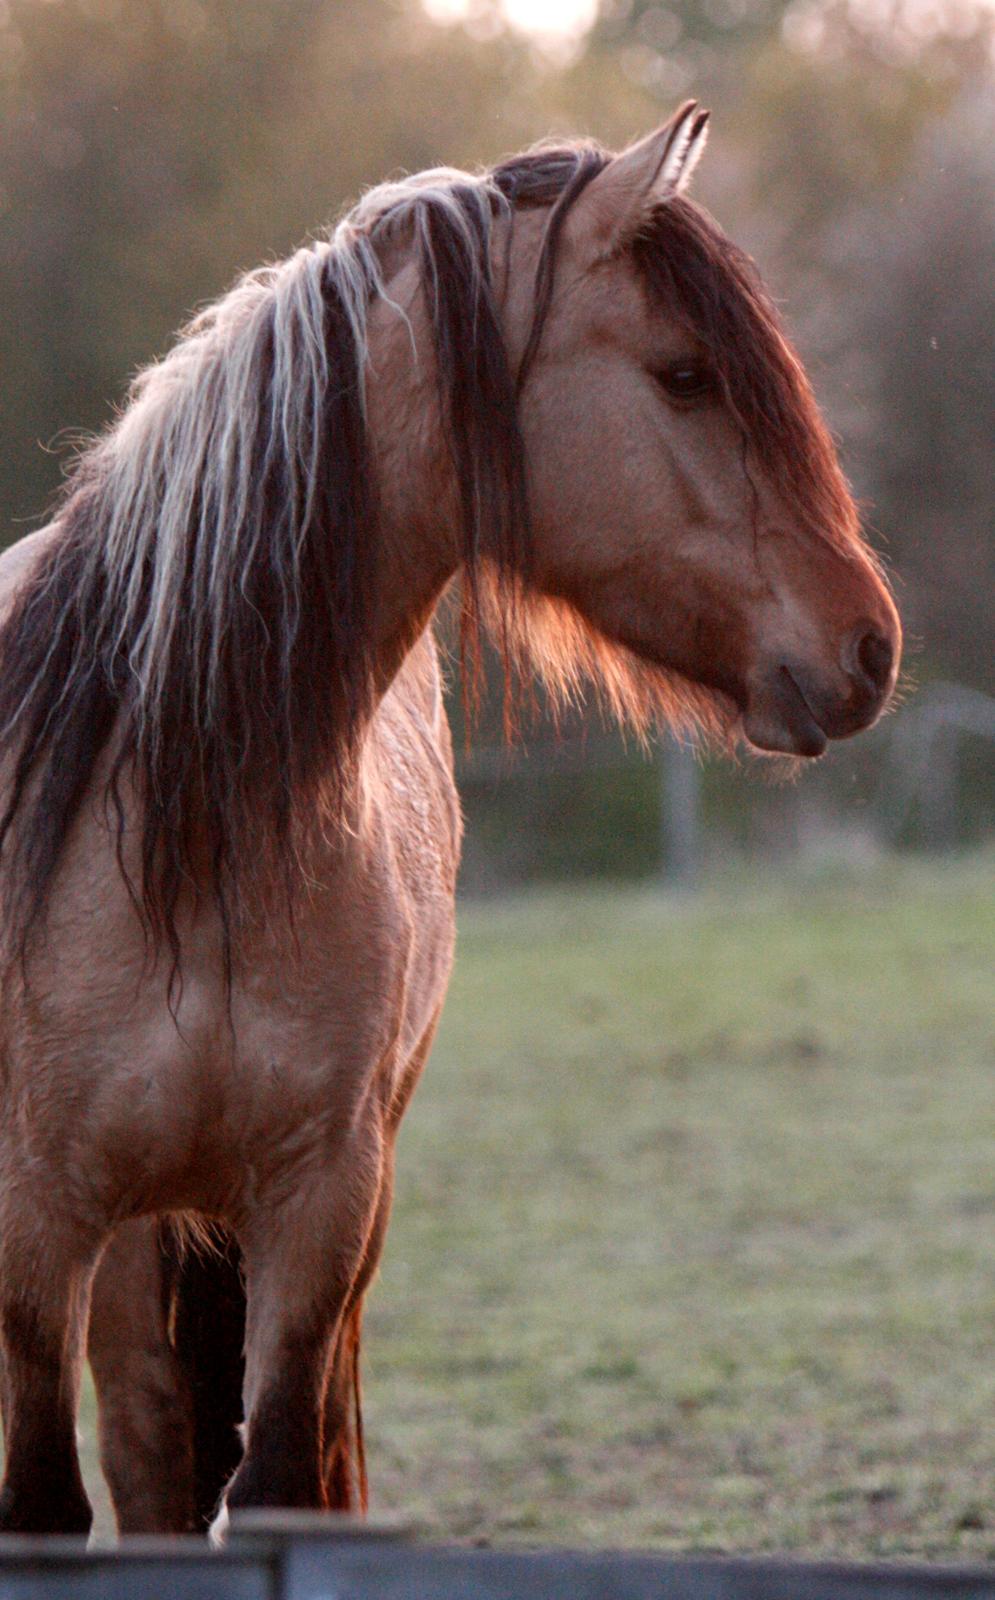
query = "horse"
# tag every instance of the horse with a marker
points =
(229, 829)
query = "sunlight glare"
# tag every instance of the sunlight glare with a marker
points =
(447, 11)
(545, 20)
(551, 19)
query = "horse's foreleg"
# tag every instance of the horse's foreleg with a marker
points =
(302, 1261)
(345, 1463)
(344, 1469)
(145, 1411)
(44, 1288)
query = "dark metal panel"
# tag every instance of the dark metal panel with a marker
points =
(317, 1559)
(363, 1571)
(50, 1575)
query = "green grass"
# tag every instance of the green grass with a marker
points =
(693, 1237)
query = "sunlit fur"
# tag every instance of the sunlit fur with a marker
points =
(220, 538)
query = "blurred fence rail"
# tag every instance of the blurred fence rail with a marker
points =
(922, 756)
(300, 1557)
(583, 803)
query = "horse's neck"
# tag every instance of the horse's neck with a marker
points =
(416, 489)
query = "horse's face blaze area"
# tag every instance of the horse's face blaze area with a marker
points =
(687, 495)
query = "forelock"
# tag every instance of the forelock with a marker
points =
(696, 274)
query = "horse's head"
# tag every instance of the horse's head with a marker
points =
(687, 499)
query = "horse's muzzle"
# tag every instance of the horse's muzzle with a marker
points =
(797, 708)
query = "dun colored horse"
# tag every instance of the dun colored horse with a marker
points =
(229, 830)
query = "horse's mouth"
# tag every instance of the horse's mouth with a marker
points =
(794, 715)
(783, 722)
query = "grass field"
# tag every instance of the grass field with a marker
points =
(693, 1243)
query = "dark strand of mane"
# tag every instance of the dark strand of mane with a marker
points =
(479, 396)
(582, 165)
(550, 176)
(713, 288)
(59, 700)
(478, 404)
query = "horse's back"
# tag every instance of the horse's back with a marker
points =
(19, 561)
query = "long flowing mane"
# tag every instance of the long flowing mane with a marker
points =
(219, 541)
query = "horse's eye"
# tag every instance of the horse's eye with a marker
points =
(687, 380)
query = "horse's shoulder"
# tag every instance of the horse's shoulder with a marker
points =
(416, 692)
(410, 751)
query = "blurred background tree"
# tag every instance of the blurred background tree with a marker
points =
(150, 149)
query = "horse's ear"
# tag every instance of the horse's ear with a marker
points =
(646, 175)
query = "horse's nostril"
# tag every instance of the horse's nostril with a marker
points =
(872, 655)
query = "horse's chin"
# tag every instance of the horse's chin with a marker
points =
(766, 740)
